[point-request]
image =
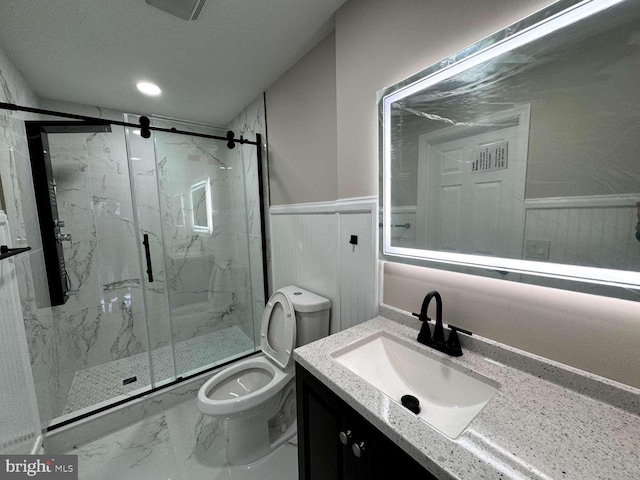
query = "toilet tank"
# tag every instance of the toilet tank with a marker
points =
(312, 314)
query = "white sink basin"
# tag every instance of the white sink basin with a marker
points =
(449, 397)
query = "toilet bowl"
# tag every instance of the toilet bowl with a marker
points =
(239, 388)
(248, 394)
(256, 396)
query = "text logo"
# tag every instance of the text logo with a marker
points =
(39, 467)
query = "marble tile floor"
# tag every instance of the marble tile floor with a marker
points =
(104, 382)
(177, 444)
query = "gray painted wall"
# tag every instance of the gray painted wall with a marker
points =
(303, 150)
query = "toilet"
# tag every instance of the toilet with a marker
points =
(256, 396)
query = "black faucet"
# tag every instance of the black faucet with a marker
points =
(452, 345)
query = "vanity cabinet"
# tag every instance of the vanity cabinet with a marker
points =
(337, 443)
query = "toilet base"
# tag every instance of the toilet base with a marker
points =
(247, 445)
(251, 438)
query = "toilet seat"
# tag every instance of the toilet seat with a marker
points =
(278, 329)
(277, 341)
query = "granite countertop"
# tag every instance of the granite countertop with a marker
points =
(547, 421)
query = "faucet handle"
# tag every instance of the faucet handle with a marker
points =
(453, 342)
(458, 329)
(424, 336)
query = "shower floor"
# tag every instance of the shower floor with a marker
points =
(104, 382)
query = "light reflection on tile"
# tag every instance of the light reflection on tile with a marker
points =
(141, 451)
(179, 443)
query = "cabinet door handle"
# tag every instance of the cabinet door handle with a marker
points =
(345, 437)
(358, 449)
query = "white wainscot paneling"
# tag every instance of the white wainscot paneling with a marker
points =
(20, 423)
(357, 270)
(310, 248)
(596, 231)
(403, 226)
(305, 253)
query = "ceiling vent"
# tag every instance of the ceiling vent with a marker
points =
(184, 9)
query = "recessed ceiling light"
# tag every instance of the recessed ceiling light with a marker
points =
(149, 88)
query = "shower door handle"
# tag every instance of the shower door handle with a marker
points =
(147, 253)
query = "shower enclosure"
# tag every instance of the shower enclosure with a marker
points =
(157, 243)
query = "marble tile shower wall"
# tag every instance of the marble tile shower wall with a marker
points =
(15, 175)
(248, 123)
(204, 270)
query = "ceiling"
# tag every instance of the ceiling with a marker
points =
(93, 51)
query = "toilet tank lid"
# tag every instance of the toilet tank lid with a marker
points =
(305, 301)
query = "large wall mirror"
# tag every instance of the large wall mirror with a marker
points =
(519, 157)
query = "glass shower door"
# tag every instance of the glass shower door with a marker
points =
(159, 257)
(101, 343)
(203, 216)
(199, 249)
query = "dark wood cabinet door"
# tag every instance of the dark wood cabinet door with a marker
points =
(389, 461)
(321, 455)
(322, 417)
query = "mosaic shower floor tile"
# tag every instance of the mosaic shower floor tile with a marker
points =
(104, 382)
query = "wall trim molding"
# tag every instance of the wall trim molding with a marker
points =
(591, 201)
(402, 209)
(344, 205)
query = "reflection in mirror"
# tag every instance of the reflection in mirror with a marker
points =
(201, 207)
(523, 157)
